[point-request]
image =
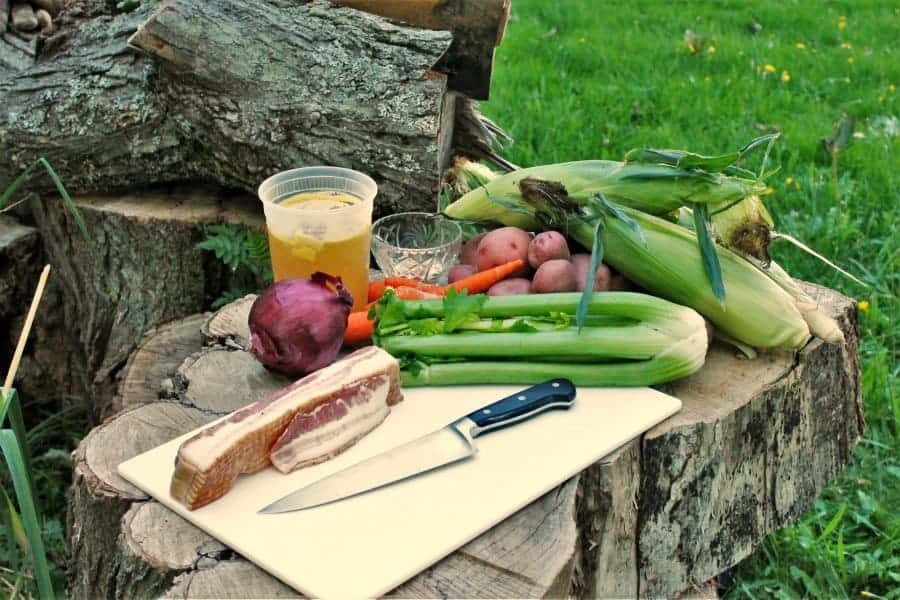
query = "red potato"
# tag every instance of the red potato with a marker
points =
(458, 272)
(547, 245)
(501, 246)
(469, 249)
(556, 275)
(602, 277)
(620, 283)
(510, 287)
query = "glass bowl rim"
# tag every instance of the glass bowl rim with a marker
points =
(457, 239)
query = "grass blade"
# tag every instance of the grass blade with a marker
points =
(708, 252)
(17, 184)
(17, 423)
(65, 196)
(15, 462)
(19, 181)
(13, 524)
(596, 258)
(833, 523)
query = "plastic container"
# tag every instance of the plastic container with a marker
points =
(319, 219)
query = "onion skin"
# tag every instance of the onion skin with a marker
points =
(297, 325)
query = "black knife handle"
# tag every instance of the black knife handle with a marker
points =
(556, 393)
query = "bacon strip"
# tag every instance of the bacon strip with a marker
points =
(307, 422)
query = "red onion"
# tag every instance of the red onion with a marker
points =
(297, 325)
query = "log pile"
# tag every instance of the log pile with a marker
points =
(141, 106)
(754, 444)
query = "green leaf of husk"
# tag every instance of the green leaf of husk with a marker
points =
(810, 251)
(708, 251)
(596, 259)
(614, 211)
(682, 159)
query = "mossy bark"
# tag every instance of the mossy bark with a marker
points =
(231, 92)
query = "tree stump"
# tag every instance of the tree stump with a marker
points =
(139, 268)
(44, 372)
(754, 444)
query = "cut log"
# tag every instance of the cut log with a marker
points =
(204, 380)
(156, 359)
(229, 324)
(20, 256)
(754, 443)
(339, 87)
(100, 497)
(478, 27)
(140, 268)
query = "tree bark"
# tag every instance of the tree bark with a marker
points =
(755, 442)
(232, 92)
(44, 372)
(478, 27)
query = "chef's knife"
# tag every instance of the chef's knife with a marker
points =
(447, 445)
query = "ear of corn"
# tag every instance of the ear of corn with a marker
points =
(654, 189)
(757, 312)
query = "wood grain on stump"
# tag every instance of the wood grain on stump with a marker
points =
(161, 351)
(754, 444)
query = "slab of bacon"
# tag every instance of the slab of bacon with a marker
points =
(305, 423)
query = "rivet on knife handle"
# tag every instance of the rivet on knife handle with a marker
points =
(556, 393)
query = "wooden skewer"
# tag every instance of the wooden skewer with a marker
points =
(23, 337)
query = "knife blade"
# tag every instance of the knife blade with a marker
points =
(445, 446)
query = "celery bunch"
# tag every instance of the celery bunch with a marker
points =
(628, 339)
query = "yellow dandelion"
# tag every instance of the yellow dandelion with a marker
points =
(850, 60)
(711, 50)
(846, 45)
(842, 22)
(892, 88)
(863, 306)
(800, 46)
(769, 68)
(785, 76)
(582, 40)
(789, 181)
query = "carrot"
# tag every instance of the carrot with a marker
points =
(376, 288)
(482, 280)
(360, 328)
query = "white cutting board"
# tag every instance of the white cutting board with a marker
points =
(363, 547)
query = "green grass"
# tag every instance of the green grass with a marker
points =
(52, 434)
(579, 79)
